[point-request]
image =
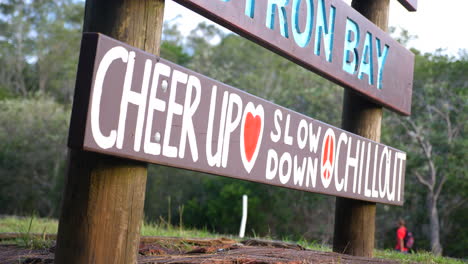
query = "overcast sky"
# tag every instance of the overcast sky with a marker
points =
(437, 23)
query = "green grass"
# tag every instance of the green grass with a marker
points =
(419, 257)
(312, 245)
(163, 229)
(30, 225)
(12, 224)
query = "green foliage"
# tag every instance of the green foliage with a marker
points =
(39, 41)
(434, 140)
(4, 93)
(174, 53)
(172, 45)
(215, 203)
(32, 153)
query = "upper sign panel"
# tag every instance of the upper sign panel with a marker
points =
(326, 36)
(411, 5)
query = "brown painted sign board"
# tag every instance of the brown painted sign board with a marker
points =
(327, 37)
(410, 5)
(132, 104)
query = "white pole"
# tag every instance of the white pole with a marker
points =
(244, 216)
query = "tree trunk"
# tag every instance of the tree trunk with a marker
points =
(436, 247)
(42, 81)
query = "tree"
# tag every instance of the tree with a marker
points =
(172, 47)
(15, 45)
(433, 134)
(39, 44)
(33, 148)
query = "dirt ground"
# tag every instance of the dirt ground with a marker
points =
(194, 251)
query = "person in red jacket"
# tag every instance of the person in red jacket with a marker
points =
(400, 234)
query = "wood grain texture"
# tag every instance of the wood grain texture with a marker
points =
(354, 231)
(102, 207)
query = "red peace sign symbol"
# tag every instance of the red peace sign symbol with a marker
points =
(327, 157)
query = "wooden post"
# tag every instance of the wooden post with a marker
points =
(354, 232)
(103, 202)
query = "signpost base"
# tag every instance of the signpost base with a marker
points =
(355, 220)
(354, 232)
(354, 227)
(103, 202)
(102, 210)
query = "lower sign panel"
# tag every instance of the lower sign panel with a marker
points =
(132, 104)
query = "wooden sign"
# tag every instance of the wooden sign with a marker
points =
(326, 36)
(410, 5)
(132, 104)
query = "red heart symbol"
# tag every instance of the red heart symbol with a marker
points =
(252, 128)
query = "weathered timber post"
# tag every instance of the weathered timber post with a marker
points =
(103, 201)
(354, 232)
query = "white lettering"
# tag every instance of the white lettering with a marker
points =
(401, 157)
(215, 159)
(302, 129)
(231, 123)
(311, 171)
(173, 108)
(340, 184)
(299, 171)
(388, 156)
(278, 117)
(314, 138)
(272, 159)
(113, 54)
(284, 177)
(135, 98)
(187, 130)
(288, 140)
(154, 148)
